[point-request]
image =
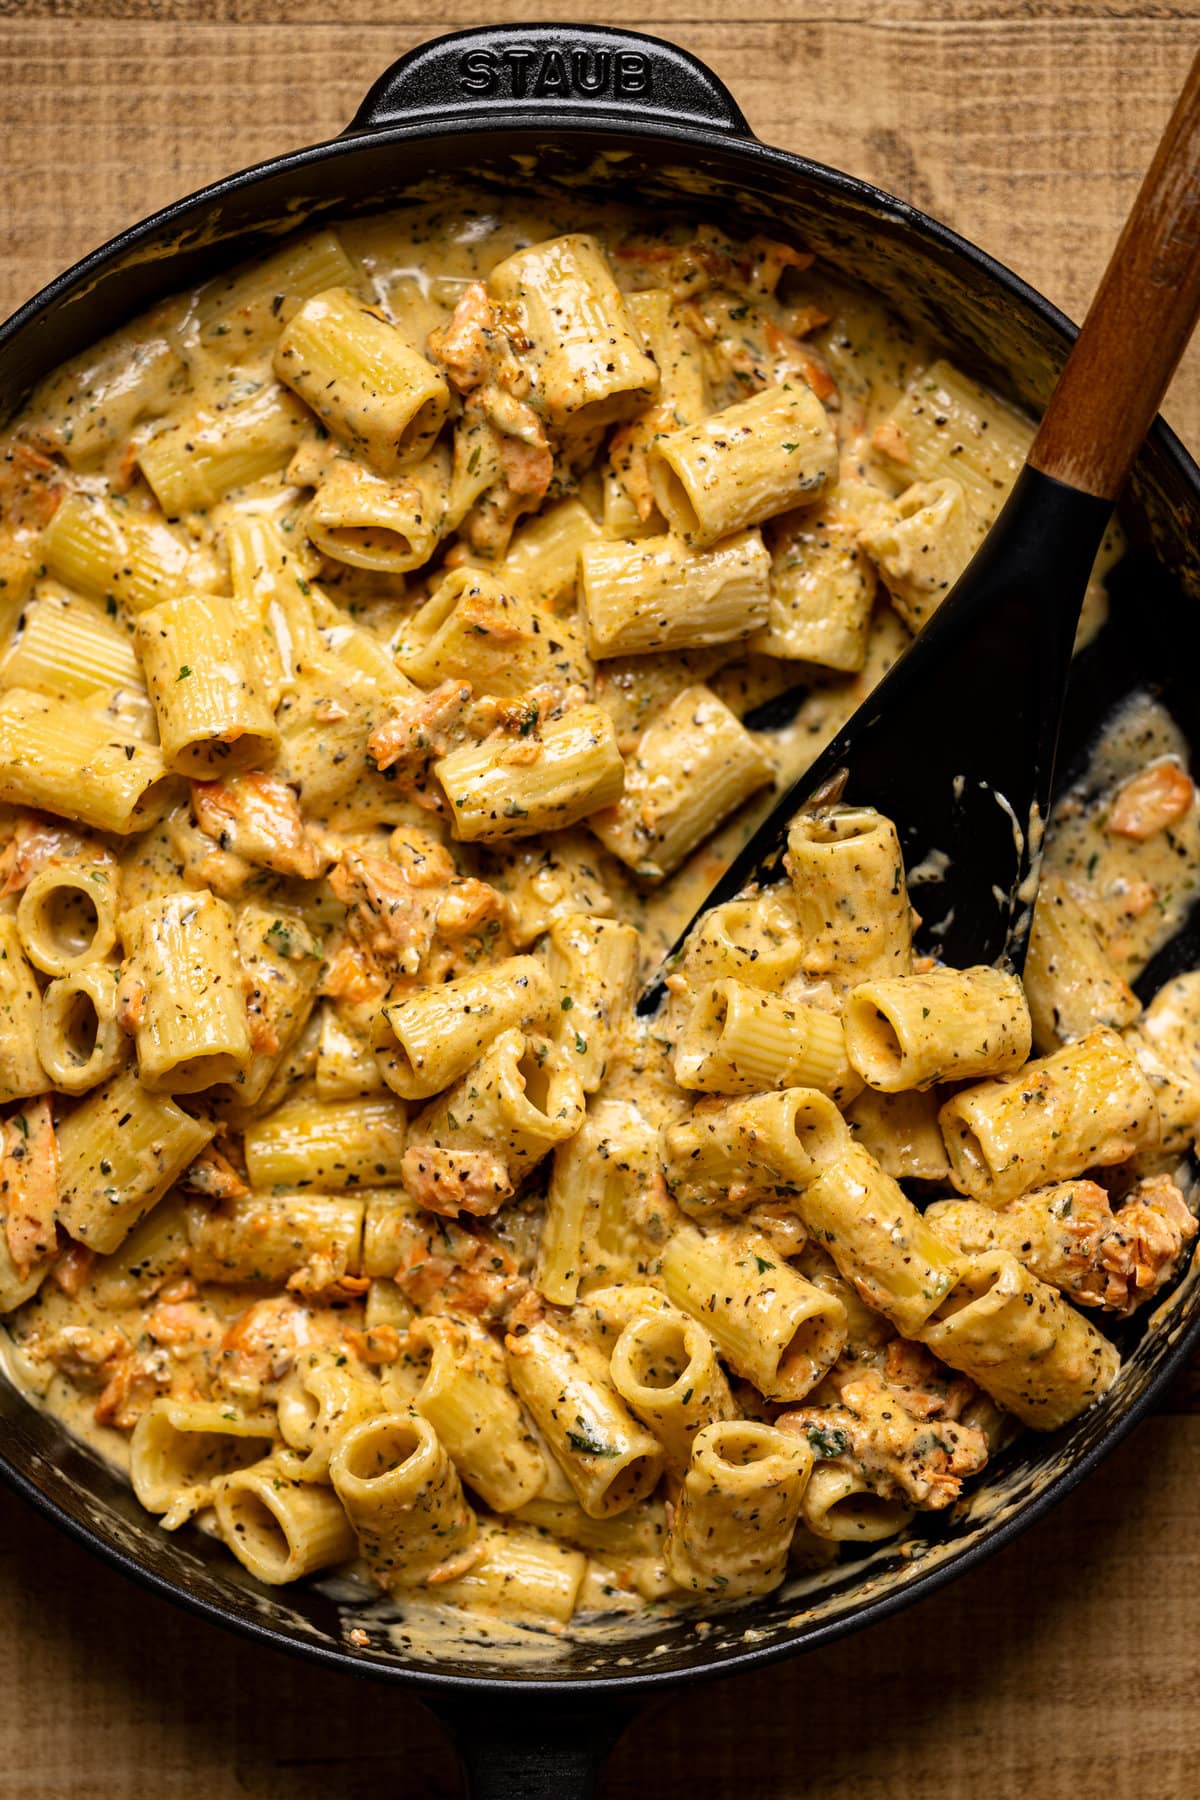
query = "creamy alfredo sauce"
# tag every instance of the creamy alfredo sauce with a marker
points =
(192, 354)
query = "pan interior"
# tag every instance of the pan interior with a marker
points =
(996, 331)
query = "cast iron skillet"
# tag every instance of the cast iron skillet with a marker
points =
(620, 113)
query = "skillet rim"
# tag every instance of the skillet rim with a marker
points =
(514, 124)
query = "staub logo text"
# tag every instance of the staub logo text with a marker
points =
(526, 73)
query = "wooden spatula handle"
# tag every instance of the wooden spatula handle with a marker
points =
(1138, 324)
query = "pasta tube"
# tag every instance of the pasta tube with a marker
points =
(197, 462)
(388, 1231)
(257, 1239)
(912, 1031)
(466, 1398)
(727, 1157)
(155, 1252)
(841, 1507)
(543, 558)
(1167, 1047)
(921, 543)
(769, 1323)
(374, 391)
(476, 627)
(902, 1133)
(594, 965)
(358, 518)
(279, 1528)
(441, 1031)
(505, 788)
(693, 766)
(629, 507)
(610, 1460)
(323, 1397)
(249, 302)
(99, 549)
(657, 594)
(755, 941)
(67, 915)
(1069, 981)
(21, 1071)
(1086, 1106)
(578, 340)
(69, 648)
(118, 1153)
(631, 1543)
(469, 1149)
(281, 966)
(946, 426)
(591, 1226)
(850, 896)
(519, 1575)
(212, 717)
(346, 1065)
(1022, 1343)
(59, 758)
(79, 1041)
(181, 1448)
(664, 1366)
(755, 459)
(879, 1240)
(738, 1040)
(404, 1499)
(327, 1145)
(821, 589)
(267, 582)
(737, 1510)
(184, 984)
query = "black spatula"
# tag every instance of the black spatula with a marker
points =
(957, 743)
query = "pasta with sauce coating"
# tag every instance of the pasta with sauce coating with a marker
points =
(397, 638)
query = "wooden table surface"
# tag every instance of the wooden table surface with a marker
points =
(1068, 1665)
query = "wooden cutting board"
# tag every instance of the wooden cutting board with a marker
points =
(1068, 1666)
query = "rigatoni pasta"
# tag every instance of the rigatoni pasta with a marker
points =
(118, 1153)
(774, 1327)
(392, 635)
(912, 1031)
(657, 594)
(737, 1509)
(375, 391)
(586, 361)
(745, 464)
(570, 769)
(55, 756)
(192, 464)
(693, 766)
(1088, 1105)
(79, 1043)
(182, 984)
(21, 1070)
(202, 678)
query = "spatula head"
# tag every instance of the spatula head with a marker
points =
(956, 744)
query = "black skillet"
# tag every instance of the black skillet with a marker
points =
(623, 114)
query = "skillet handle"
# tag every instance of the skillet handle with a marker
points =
(518, 1746)
(552, 74)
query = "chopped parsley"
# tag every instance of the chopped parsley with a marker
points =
(586, 1442)
(827, 1440)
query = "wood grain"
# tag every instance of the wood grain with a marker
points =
(1138, 324)
(1068, 1665)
